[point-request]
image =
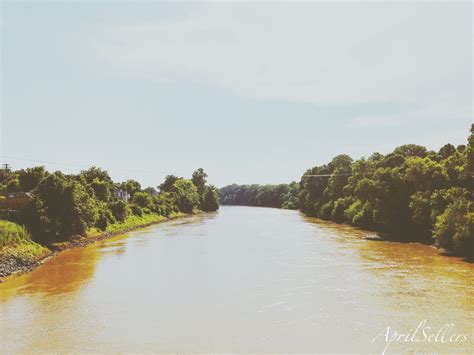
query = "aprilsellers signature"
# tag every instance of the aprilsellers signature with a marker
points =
(423, 333)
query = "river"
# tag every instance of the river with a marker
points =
(244, 279)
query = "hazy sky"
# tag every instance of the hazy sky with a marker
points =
(251, 92)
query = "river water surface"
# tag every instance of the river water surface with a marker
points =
(241, 280)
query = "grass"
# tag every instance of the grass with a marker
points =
(16, 243)
(12, 234)
(132, 222)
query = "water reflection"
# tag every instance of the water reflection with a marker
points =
(63, 273)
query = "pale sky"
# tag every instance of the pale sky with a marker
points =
(251, 92)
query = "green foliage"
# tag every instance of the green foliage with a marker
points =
(16, 244)
(104, 217)
(199, 180)
(120, 210)
(167, 185)
(13, 185)
(142, 199)
(61, 208)
(163, 204)
(185, 195)
(278, 196)
(151, 191)
(210, 200)
(454, 228)
(101, 190)
(67, 205)
(411, 193)
(12, 233)
(30, 178)
(131, 186)
(137, 210)
(94, 173)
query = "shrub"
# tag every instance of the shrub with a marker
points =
(337, 213)
(137, 210)
(454, 228)
(120, 210)
(326, 210)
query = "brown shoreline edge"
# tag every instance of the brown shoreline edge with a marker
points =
(10, 266)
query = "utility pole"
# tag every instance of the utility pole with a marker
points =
(6, 172)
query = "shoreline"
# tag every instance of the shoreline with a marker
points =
(12, 265)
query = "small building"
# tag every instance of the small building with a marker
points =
(123, 195)
(14, 201)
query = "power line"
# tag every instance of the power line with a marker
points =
(326, 175)
(83, 165)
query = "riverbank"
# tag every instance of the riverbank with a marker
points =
(26, 255)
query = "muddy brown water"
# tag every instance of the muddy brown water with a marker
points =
(242, 280)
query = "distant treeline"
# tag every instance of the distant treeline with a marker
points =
(410, 194)
(64, 205)
(279, 196)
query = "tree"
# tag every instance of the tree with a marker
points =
(13, 185)
(131, 186)
(469, 169)
(163, 204)
(185, 195)
(93, 173)
(167, 185)
(210, 201)
(101, 190)
(446, 151)
(142, 199)
(199, 180)
(151, 191)
(411, 150)
(278, 196)
(61, 208)
(120, 210)
(454, 228)
(30, 178)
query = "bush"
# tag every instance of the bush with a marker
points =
(142, 199)
(104, 218)
(337, 213)
(120, 210)
(454, 228)
(326, 210)
(137, 210)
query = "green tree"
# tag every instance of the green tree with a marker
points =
(131, 186)
(30, 178)
(199, 180)
(13, 185)
(454, 228)
(61, 208)
(120, 210)
(167, 185)
(93, 173)
(185, 195)
(101, 190)
(210, 201)
(143, 200)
